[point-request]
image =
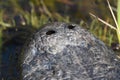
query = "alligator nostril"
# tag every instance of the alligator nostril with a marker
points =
(50, 32)
(71, 26)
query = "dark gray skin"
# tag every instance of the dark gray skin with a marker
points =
(62, 51)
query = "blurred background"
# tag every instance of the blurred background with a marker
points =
(21, 18)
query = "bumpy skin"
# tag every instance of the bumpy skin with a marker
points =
(62, 51)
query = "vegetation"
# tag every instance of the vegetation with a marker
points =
(38, 12)
(17, 14)
(118, 20)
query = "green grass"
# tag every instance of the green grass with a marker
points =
(41, 12)
(118, 20)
